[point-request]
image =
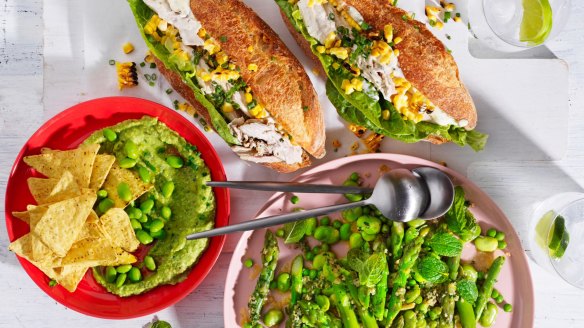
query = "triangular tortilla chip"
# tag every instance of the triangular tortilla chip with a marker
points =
(63, 221)
(116, 225)
(25, 215)
(52, 190)
(69, 276)
(23, 248)
(89, 228)
(118, 175)
(41, 253)
(101, 167)
(97, 252)
(78, 161)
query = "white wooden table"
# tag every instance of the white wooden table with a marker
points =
(22, 304)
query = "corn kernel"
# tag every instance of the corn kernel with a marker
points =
(397, 40)
(385, 114)
(439, 25)
(449, 7)
(256, 111)
(128, 47)
(250, 49)
(248, 89)
(232, 67)
(347, 87)
(357, 84)
(385, 59)
(375, 52)
(356, 70)
(432, 11)
(205, 76)
(221, 58)
(396, 52)
(248, 97)
(252, 67)
(457, 19)
(349, 19)
(383, 46)
(320, 49)
(202, 33)
(330, 40)
(227, 107)
(341, 53)
(211, 47)
(336, 65)
(388, 32)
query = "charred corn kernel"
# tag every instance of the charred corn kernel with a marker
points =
(397, 40)
(205, 76)
(400, 101)
(432, 11)
(248, 98)
(347, 87)
(375, 52)
(250, 49)
(227, 107)
(152, 24)
(211, 46)
(128, 47)
(231, 75)
(355, 70)
(396, 52)
(357, 84)
(388, 33)
(386, 58)
(341, 53)
(127, 75)
(330, 39)
(449, 7)
(349, 19)
(252, 67)
(399, 81)
(221, 58)
(385, 114)
(383, 46)
(457, 19)
(336, 65)
(202, 33)
(439, 25)
(248, 89)
(320, 49)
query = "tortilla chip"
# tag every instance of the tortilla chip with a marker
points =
(116, 225)
(89, 228)
(78, 161)
(97, 252)
(52, 190)
(70, 276)
(60, 225)
(41, 253)
(101, 167)
(23, 248)
(118, 175)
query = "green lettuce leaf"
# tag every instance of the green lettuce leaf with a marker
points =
(142, 14)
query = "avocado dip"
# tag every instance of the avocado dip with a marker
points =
(178, 200)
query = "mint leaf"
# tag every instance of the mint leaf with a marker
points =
(294, 231)
(369, 267)
(468, 290)
(460, 220)
(445, 244)
(433, 270)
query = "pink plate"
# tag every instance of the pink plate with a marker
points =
(514, 281)
(67, 130)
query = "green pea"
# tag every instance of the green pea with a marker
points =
(323, 302)
(149, 263)
(319, 261)
(294, 200)
(135, 275)
(124, 268)
(352, 214)
(489, 315)
(499, 299)
(368, 237)
(273, 285)
(310, 224)
(127, 163)
(321, 233)
(110, 274)
(144, 174)
(495, 293)
(248, 325)
(105, 204)
(102, 193)
(248, 263)
(491, 232)
(345, 231)
(412, 294)
(283, 282)
(160, 234)
(355, 240)
(135, 224)
(354, 176)
(352, 197)
(366, 210)
(385, 228)
(324, 248)
(369, 224)
(502, 244)
(167, 189)
(316, 249)
(412, 282)
(305, 272)
(500, 236)
(312, 274)
(120, 279)
(486, 244)
(309, 256)
(144, 237)
(147, 206)
(325, 221)
(131, 150)
(124, 192)
(175, 161)
(507, 307)
(166, 212)
(469, 272)
(109, 134)
(273, 317)
(156, 225)
(337, 224)
(280, 232)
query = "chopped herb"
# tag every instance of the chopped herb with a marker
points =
(405, 18)
(203, 122)
(154, 76)
(417, 27)
(252, 104)
(197, 55)
(175, 103)
(223, 38)
(365, 26)
(196, 115)
(273, 58)
(432, 23)
(362, 46)
(218, 96)
(395, 2)
(152, 65)
(148, 77)
(142, 64)
(53, 283)
(448, 36)
(449, 51)
(112, 62)
(168, 91)
(457, 15)
(305, 108)
(413, 15)
(331, 16)
(151, 83)
(447, 16)
(469, 26)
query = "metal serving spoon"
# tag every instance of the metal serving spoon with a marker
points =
(400, 195)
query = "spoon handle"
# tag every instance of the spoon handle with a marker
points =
(290, 187)
(274, 220)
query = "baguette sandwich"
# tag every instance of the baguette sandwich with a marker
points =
(237, 73)
(386, 71)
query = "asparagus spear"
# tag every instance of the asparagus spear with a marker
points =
(378, 300)
(488, 284)
(309, 314)
(270, 254)
(453, 265)
(296, 277)
(397, 237)
(342, 302)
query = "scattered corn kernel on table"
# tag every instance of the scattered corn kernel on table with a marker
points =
(29, 78)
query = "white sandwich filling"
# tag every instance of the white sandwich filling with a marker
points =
(261, 140)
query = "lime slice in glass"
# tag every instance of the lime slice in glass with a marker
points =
(558, 238)
(536, 23)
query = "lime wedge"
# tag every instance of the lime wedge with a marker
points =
(558, 238)
(542, 229)
(536, 23)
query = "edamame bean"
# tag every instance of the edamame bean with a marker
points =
(156, 225)
(500, 236)
(124, 192)
(352, 214)
(283, 282)
(144, 218)
(352, 197)
(124, 268)
(166, 212)
(143, 237)
(127, 163)
(355, 240)
(135, 275)
(345, 231)
(110, 274)
(310, 225)
(502, 244)
(367, 237)
(469, 272)
(489, 314)
(110, 134)
(105, 204)
(323, 302)
(160, 234)
(319, 261)
(149, 263)
(273, 317)
(167, 189)
(321, 233)
(144, 174)
(412, 294)
(369, 224)
(102, 193)
(135, 224)
(147, 206)
(175, 161)
(133, 213)
(131, 150)
(120, 279)
(486, 244)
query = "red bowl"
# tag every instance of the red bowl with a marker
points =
(67, 130)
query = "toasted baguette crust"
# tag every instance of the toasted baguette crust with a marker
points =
(423, 59)
(185, 91)
(280, 82)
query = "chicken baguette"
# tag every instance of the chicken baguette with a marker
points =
(232, 67)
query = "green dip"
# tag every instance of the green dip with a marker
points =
(192, 202)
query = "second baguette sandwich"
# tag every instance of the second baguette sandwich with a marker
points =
(238, 74)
